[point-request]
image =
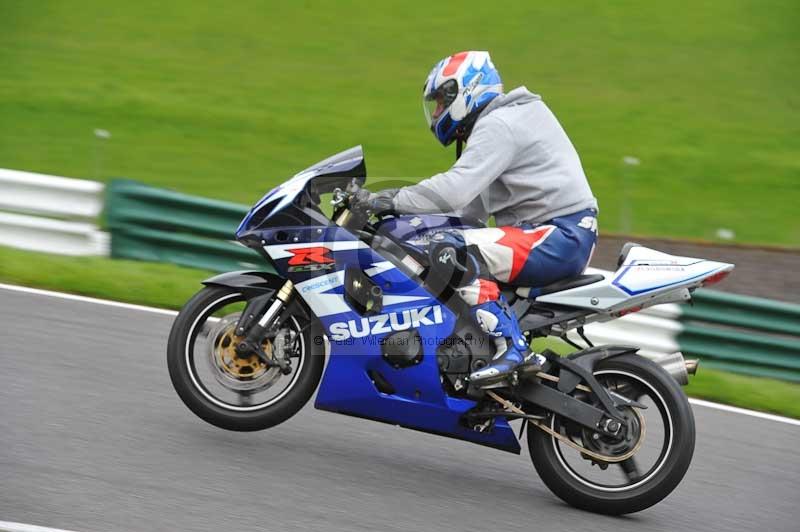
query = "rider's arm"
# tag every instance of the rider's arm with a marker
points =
(488, 154)
(474, 210)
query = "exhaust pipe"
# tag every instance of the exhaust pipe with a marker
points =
(678, 367)
(691, 366)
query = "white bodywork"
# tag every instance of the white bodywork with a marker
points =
(647, 277)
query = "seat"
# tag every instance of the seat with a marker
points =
(559, 286)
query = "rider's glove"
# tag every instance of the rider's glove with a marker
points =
(376, 203)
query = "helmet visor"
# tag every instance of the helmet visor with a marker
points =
(437, 102)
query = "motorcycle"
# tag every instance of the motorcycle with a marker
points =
(608, 430)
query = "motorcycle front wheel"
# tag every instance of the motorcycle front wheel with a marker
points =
(663, 436)
(240, 393)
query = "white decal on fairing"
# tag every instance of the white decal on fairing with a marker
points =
(322, 283)
(322, 304)
(384, 323)
(379, 267)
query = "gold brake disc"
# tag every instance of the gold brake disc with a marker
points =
(241, 368)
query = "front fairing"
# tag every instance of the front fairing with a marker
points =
(322, 177)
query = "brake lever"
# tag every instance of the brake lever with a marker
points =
(339, 196)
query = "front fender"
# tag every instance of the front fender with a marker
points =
(255, 284)
(251, 283)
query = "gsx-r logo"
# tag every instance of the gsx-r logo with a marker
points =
(385, 323)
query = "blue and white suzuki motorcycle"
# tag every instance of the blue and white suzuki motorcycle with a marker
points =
(608, 430)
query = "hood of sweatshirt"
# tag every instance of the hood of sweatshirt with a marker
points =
(518, 96)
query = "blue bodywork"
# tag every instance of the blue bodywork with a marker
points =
(419, 400)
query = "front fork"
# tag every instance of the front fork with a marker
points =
(251, 343)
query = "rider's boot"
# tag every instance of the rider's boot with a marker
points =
(498, 321)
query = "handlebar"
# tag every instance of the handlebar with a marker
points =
(341, 198)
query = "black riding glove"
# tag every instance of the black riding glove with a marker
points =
(376, 203)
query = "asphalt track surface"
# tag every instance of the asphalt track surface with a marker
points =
(93, 438)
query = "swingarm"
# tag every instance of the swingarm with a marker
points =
(553, 392)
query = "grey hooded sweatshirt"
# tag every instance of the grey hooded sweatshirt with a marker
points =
(518, 165)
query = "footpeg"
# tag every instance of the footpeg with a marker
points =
(528, 370)
(486, 426)
(492, 385)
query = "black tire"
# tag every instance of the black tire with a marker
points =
(183, 333)
(556, 475)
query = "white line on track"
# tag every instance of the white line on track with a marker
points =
(745, 412)
(84, 299)
(153, 310)
(22, 527)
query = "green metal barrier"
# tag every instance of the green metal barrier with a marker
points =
(745, 311)
(744, 334)
(154, 224)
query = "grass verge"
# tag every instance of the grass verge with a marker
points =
(144, 283)
(767, 395)
(168, 286)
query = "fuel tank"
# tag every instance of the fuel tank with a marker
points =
(416, 229)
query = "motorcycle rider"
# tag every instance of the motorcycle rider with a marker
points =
(518, 166)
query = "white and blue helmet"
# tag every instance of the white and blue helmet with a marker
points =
(457, 89)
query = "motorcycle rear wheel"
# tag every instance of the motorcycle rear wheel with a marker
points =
(552, 460)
